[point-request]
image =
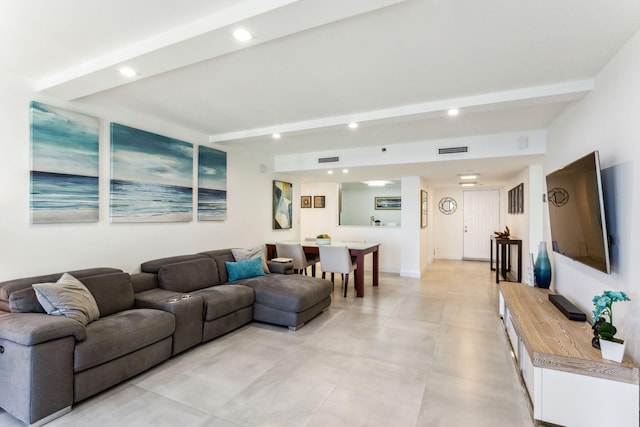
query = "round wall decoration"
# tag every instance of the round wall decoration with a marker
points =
(447, 205)
(558, 196)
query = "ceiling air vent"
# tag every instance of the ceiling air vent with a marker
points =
(328, 159)
(453, 150)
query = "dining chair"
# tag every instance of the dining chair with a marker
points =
(336, 259)
(300, 260)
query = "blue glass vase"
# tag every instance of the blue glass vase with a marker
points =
(542, 268)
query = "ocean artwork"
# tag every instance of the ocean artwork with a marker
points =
(212, 184)
(151, 177)
(282, 205)
(64, 165)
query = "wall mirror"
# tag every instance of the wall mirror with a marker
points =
(372, 203)
(447, 205)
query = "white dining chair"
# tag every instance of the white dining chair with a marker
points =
(300, 260)
(336, 259)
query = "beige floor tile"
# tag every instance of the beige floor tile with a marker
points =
(413, 352)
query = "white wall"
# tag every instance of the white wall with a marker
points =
(528, 225)
(27, 249)
(607, 120)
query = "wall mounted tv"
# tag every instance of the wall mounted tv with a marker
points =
(576, 213)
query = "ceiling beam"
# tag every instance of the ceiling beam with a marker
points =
(206, 38)
(536, 95)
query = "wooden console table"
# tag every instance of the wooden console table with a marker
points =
(503, 249)
(567, 380)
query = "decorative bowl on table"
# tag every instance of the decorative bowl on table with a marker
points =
(323, 239)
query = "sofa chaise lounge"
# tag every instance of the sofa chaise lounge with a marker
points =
(48, 363)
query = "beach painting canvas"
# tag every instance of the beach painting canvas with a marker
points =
(212, 184)
(282, 205)
(64, 165)
(151, 177)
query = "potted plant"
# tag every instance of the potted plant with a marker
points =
(323, 239)
(612, 348)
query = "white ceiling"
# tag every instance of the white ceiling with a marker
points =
(393, 65)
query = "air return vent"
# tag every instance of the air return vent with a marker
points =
(453, 150)
(328, 159)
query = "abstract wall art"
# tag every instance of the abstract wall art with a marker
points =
(151, 177)
(282, 205)
(212, 184)
(64, 165)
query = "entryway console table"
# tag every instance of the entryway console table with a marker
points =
(567, 380)
(503, 256)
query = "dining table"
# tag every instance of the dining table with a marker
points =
(357, 249)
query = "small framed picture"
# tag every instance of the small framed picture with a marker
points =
(318, 201)
(305, 201)
(388, 203)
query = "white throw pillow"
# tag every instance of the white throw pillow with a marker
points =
(245, 254)
(68, 297)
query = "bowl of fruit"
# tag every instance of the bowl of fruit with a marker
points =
(323, 239)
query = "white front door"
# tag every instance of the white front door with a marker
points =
(481, 217)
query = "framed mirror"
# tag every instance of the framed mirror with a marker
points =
(447, 205)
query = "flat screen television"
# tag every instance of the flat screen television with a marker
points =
(576, 213)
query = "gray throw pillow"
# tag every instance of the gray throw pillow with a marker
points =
(245, 254)
(67, 297)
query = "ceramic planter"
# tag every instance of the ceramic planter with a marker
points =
(612, 350)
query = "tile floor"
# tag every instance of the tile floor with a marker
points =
(413, 352)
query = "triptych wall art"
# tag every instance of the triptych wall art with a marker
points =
(212, 184)
(64, 165)
(151, 175)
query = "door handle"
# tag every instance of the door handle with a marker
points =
(466, 229)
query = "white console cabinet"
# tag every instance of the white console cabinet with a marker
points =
(568, 382)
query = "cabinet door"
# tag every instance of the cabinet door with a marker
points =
(526, 370)
(582, 401)
(513, 337)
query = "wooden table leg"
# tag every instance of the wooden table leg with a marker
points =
(360, 275)
(375, 267)
(497, 262)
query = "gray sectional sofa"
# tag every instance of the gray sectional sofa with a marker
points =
(48, 363)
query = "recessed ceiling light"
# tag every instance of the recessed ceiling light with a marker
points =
(453, 112)
(128, 72)
(330, 172)
(353, 125)
(242, 35)
(345, 170)
(468, 184)
(468, 176)
(276, 136)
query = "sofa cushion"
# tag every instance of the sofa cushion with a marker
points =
(221, 256)
(188, 276)
(67, 297)
(224, 299)
(154, 265)
(244, 269)
(10, 286)
(112, 292)
(121, 333)
(244, 254)
(293, 293)
(25, 301)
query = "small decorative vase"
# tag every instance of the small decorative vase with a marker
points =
(542, 269)
(612, 350)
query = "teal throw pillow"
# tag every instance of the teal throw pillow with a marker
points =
(244, 269)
